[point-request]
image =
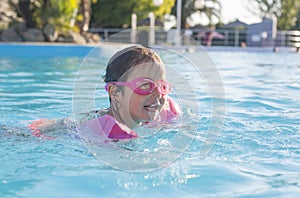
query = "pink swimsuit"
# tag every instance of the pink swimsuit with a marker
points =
(112, 129)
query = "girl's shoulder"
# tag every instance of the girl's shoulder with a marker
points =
(107, 127)
(94, 114)
(100, 112)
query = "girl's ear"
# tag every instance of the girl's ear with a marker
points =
(113, 92)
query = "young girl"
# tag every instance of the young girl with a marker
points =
(138, 92)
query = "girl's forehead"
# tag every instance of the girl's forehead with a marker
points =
(153, 71)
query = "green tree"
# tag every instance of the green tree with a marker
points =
(290, 15)
(297, 26)
(25, 9)
(63, 14)
(209, 8)
(107, 13)
(286, 11)
(85, 14)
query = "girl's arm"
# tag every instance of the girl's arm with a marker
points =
(41, 127)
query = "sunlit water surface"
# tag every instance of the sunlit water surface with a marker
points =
(256, 155)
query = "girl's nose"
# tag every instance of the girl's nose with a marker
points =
(156, 93)
(158, 96)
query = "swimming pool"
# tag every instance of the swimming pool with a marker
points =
(256, 155)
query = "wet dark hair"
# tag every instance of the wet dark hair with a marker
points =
(127, 58)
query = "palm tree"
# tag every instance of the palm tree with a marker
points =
(85, 11)
(210, 8)
(266, 8)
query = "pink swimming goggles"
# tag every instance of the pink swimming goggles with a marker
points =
(145, 86)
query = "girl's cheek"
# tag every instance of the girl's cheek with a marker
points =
(135, 101)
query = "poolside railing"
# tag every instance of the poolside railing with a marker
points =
(231, 37)
(293, 39)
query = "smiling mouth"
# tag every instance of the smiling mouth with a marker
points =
(152, 107)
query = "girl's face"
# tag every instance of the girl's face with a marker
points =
(136, 109)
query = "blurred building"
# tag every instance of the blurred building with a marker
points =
(262, 34)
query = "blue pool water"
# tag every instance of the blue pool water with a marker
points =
(257, 154)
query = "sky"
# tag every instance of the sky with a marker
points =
(237, 9)
(231, 10)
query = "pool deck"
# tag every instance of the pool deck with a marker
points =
(73, 49)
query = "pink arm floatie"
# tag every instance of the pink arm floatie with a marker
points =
(171, 112)
(174, 111)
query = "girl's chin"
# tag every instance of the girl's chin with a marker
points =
(147, 116)
(153, 116)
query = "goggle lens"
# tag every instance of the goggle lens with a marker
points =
(145, 86)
